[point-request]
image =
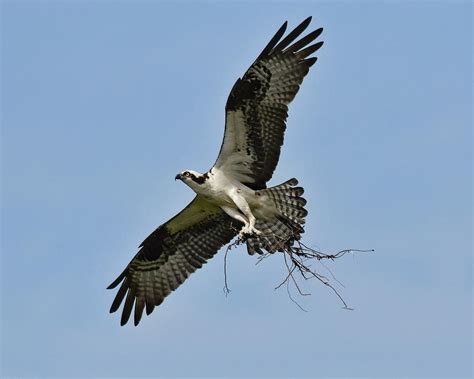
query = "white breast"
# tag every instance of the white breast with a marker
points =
(218, 187)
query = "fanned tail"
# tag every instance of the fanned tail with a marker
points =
(280, 232)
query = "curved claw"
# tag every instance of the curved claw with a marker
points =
(248, 231)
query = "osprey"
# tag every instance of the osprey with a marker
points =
(232, 197)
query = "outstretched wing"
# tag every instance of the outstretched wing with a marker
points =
(170, 254)
(257, 107)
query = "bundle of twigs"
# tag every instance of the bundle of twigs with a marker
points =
(299, 259)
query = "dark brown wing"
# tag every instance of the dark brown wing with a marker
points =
(169, 255)
(257, 107)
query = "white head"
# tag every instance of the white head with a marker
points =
(193, 179)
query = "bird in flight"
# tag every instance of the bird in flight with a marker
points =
(232, 198)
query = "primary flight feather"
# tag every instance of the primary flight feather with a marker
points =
(232, 197)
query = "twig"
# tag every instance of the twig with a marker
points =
(299, 255)
(226, 288)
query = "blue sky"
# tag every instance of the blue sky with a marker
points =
(104, 102)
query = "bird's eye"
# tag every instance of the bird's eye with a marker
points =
(187, 173)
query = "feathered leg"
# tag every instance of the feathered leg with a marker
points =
(243, 206)
(235, 214)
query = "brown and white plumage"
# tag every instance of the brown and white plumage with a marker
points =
(257, 107)
(170, 254)
(233, 194)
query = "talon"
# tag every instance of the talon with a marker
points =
(248, 231)
(244, 232)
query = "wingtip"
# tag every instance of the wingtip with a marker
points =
(139, 305)
(114, 284)
(149, 308)
(304, 24)
(117, 281)
(311, 61)
(124, 319)
(283, 27)
(293, 182)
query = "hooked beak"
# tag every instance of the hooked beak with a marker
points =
(177, 177)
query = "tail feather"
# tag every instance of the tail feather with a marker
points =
(287, 226)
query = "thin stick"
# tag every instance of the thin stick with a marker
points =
(300, 257)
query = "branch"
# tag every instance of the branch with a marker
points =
(298, 258)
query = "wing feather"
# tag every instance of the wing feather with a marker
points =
(274, 40)
(169, 255)
(294, 34)
(304, 41)
(257, 107)
(309, 50)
